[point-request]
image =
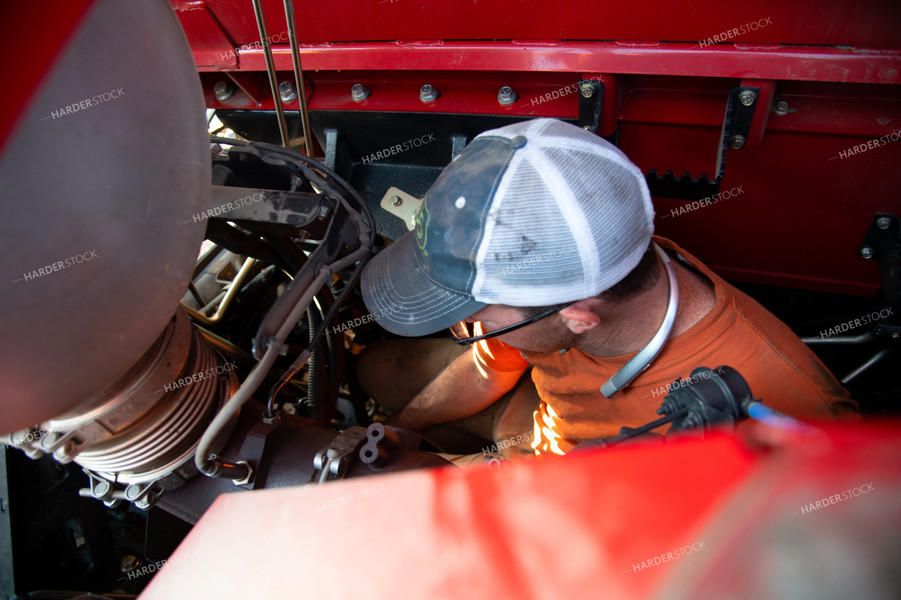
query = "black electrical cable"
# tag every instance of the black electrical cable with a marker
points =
(369, 219)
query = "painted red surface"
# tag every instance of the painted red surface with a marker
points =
(595, 525)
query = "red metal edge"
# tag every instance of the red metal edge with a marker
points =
(846, 65)
(39, 39)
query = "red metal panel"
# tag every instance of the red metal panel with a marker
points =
(847, 22)
(729, 60)
(583, 526)
(211, 46)
(37, 38)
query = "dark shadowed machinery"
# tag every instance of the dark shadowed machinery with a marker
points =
(191, 190)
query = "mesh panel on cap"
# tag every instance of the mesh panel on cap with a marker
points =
(570, 218)
(524, 250)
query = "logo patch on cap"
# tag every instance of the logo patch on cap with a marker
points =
(422, 227)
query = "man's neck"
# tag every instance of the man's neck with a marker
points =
(627, 326)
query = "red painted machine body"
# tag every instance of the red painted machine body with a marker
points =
(720, 518)
(803, 208)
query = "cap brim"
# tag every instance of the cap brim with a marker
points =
(403, 300)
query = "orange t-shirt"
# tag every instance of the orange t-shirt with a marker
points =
(738, 332)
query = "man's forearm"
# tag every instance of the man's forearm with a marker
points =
(457, 392)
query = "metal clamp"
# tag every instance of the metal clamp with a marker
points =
(334, 460)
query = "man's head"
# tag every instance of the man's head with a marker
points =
(532, 214)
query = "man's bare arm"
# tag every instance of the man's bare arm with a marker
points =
(460, 391)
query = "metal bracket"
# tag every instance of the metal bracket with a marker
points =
(883, 242)
(334, 460)
(736, 123)
(591, 94)
(402, 205)
(253, 451)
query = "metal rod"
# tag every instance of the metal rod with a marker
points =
(270, 68)
(869, 363)
(840, 339)
(298, 77)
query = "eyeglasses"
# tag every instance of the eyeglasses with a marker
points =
(468, 333)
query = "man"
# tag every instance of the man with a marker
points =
(535, 245)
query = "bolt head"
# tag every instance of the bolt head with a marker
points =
(428, 93)
(747, 97)
(737, 141)
(883, 222)
(223, 90)
(866, 252)
(286, 91)
(506, 95)
(396, 201)
(586, 90)
(128, 563)
(359, 92)
(782, 107)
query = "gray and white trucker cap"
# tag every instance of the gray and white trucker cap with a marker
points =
(531, 214)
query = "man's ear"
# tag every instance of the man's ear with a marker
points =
(580, 316)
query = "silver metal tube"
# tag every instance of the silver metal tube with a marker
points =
(840, 339)
(270, 68)
(862, 368)
(298, 77)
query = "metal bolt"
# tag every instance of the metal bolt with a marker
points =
(866, 252)
(128, 563)
(286, 91)
(737, 141)
(427, 93)
(506, 95)
(782, 107)
(396, 201)
(586, 89)
(359, 92)
(223, 90)
(883, 222)
(747, 97)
